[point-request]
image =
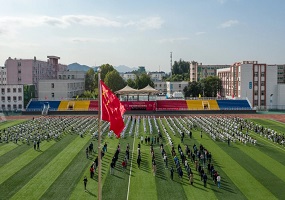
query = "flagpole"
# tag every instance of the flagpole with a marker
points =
(99, 136)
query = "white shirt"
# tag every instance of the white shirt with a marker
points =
(218, 178)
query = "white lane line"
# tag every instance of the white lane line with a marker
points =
(131, 169)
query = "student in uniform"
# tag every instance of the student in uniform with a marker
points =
(219, 180)
(139, 160)
(85, 182)
(191, 178)
(171, 173)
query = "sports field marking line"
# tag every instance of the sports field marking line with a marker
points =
(131, 170)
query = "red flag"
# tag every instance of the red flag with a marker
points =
(112, 109)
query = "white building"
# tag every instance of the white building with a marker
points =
(61, 88)
(156, 76)
(12, 97)
(71, 75)
(160, 86)
(129, 75)
(175, 87)
(252, 80)
(281, 74)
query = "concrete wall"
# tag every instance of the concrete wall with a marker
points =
(245, 79)
(271, 85)
(59, 89)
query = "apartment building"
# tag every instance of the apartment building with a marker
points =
(30, 71)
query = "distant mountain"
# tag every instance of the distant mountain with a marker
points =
(77, 67)
(124, 68)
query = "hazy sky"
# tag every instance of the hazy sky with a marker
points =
(143, 33)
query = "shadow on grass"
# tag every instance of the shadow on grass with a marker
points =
(90, 193)
(117, 176)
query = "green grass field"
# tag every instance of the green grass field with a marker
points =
(58, 169)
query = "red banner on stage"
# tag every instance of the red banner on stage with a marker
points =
(139, 105)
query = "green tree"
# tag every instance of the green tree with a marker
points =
(181, 67)
(142, 81)
(114, 81)
(211, 86)
(177, 77)
(175, 68)
(90, 80)
(105, 68)
(90, 94)
(193, 89)
(131, 83)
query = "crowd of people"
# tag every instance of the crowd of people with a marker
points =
(200, 157)
(47, 128)
(233, 129)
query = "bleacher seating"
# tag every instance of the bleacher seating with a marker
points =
(171, 105)
(35, 106)
(213, 104)
(93, 105)
(39, 105)
(63, 106)
(53, 105)
(81, 105)
(160, 105)
(194, 105)
(234, 105)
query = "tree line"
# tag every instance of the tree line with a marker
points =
(207, 87)
(113, 80)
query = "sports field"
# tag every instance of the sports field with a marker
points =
(57, 170)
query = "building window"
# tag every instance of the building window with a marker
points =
(19, 98)
(52, 85)
(255, 102)
(8, 90)
(9, 107)
(14, 98)
(19, 90)
(3, 98)
(262, 103)
(262, 92)
(14, 90)
(3, 90)
(20, 106)
(3, 107)
(14, 106)
(262, 74)
(255, 74)
(255, 92)
(255, 83)
(9, 98)
(262, 83)
(52, 95)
